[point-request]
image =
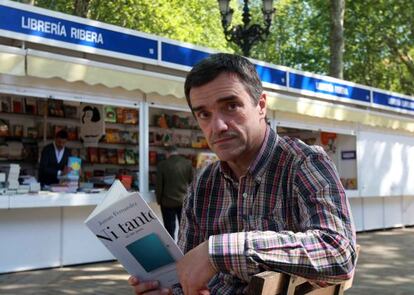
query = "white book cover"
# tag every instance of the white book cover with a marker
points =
(131, 231)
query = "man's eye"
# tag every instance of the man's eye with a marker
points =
(232, 106)
(203, 115)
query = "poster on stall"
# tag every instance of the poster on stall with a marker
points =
(92, 124)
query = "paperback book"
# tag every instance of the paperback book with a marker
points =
(130, 230)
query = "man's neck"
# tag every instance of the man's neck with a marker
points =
(242, 165)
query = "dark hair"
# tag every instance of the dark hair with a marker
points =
(209, 68)
(95, 114)
(63, 134)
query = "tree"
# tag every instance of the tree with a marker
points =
(336, 38)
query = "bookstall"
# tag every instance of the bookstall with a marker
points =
(53, 65)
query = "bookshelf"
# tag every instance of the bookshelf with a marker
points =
(27, 124)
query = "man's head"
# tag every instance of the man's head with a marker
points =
(170, 150)
(209, 68)
(60, 139)
(226, 98)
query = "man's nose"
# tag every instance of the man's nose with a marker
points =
(219, 124)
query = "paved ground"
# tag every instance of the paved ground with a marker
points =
(386, 266)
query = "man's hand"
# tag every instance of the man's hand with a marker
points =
(195, 270)
(147, 288)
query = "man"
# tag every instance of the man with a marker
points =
(54, 160)
(173, 177)
(271, 203)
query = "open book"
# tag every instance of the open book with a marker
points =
(130, 230)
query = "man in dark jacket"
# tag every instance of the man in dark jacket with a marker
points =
(173, 177)
(54, 160)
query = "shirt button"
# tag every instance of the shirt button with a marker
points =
(244, 195)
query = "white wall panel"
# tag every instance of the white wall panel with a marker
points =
(79, 245)
(392, 212)
(30, 239)
(373, 213)
(384, 164)
(408, 210)
(357, 213)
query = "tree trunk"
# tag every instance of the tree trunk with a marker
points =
(336, 39)
(81, 8)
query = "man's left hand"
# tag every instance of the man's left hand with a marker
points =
(195, 270)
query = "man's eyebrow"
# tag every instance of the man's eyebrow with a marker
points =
(220, 100)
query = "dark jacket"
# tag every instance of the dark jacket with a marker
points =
(49, 167)
(173, 177)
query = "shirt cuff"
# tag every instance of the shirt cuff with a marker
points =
(228, 252)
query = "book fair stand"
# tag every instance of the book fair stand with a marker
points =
(58, 71)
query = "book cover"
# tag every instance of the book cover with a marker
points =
(93, 154)
(121, 156)
(130, 157)
(112, 156)
(130, 116)
(74, 163)
(30, 105)
(130, 230)
(110, 114)
(103, 156)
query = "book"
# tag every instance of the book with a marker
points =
(110, 114)
(130, 230)
(75, 164)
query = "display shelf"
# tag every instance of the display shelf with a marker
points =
(121, 125)
(113, 145)
(8, 115)
(50, 199)
(110, 164)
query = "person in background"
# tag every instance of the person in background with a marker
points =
(174, 175)
(270, 203)
(54, 160)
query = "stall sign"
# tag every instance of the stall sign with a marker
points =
(40, 25)
(322, 86)
(393, 101)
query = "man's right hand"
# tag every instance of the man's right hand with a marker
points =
(148, 288)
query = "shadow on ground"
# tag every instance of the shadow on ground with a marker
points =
(385, 266)
(386, 263)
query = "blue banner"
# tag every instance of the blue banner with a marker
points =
(181, 55)
(52, 28)
(271, 75)
(316, 85)
(393, 101)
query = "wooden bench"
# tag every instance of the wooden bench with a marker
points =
(274, 283)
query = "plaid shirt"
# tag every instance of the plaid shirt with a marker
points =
(289, 214)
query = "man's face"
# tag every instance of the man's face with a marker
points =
(60, 143)
(233, 126)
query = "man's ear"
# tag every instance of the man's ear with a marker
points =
(262, 104)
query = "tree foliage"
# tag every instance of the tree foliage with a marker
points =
(379, 35)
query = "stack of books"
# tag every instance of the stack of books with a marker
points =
(69, 183)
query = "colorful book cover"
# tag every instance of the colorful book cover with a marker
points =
(110, 114)
(74, 163)
(129, 157)
(103, 156)
(130, 116)
(112, 156)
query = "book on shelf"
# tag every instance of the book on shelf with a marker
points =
(18, 130)
(30, 105)
(55, 108)
(93, 154)
(103, 156)
(130, 116)
(121, 156)
(70, 111)
(5, 103)
(130, 230)
(112, 156)
(130, 157)
(110, 114)
(17, 105)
